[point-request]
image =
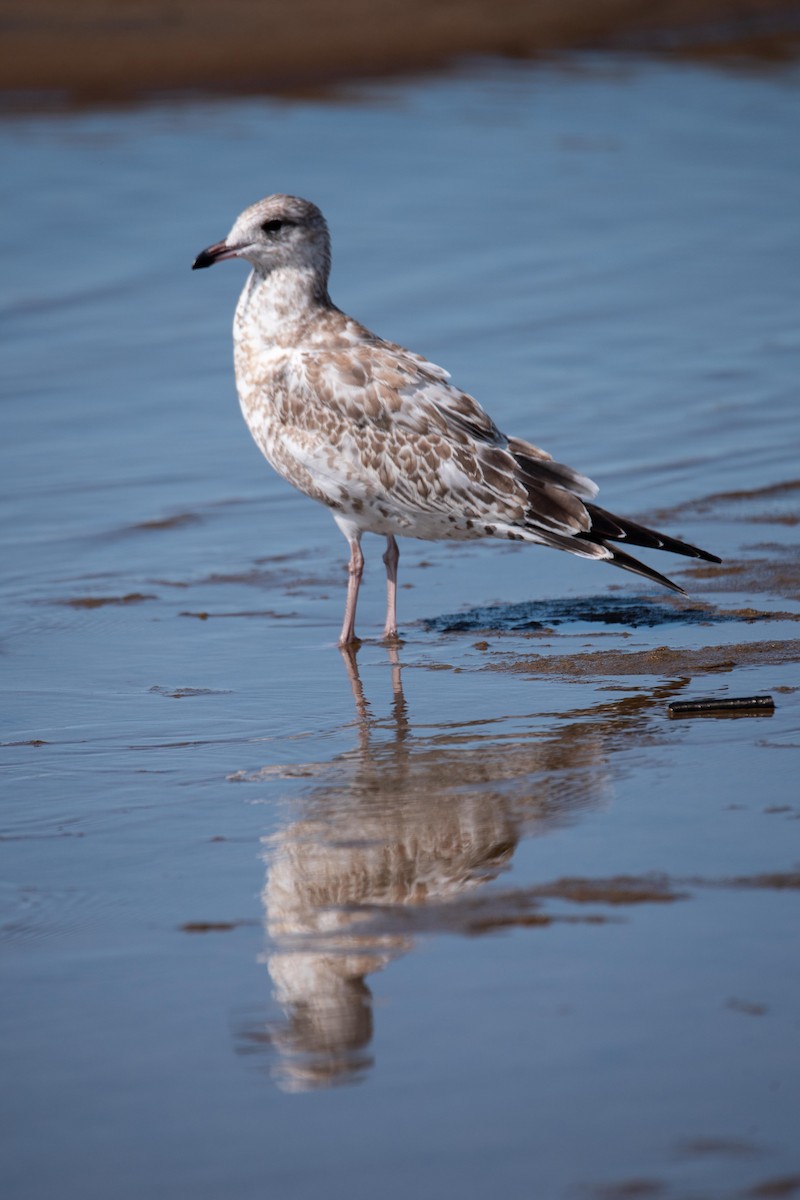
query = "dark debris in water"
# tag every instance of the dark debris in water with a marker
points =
(533, 615)
(214, 926)
(266, 612)
(176, 521)
(182, 692)
(716, 706)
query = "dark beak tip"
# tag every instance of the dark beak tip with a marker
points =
(211, 254)
(204, 259)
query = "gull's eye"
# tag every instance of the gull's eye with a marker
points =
(275, 225)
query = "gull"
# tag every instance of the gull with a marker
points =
(378, 434)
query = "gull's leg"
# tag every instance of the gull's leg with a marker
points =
(355, 569)
(391, 558)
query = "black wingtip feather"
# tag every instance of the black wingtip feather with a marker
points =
(607, 526)
(620, 559)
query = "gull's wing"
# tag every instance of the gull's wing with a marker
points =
(371, 421)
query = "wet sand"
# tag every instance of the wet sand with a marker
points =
(101, 50)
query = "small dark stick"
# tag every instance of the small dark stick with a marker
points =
(731, 704)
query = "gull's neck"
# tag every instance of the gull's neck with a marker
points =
(275, 304)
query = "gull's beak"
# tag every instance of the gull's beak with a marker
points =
(213, 254)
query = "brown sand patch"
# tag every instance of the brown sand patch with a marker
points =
(716, 500)
(102, 601)
(775, 576)
(621, 889)
(771, 1189)
(97, 50)
(666, 661)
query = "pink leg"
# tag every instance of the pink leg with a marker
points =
(391, 558)
(355, 570)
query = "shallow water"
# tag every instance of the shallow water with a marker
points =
(546, 932)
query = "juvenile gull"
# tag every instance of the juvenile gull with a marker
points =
(377, 433)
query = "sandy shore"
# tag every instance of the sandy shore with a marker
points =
(101, 50)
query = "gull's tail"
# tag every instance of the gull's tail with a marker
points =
(606, 527)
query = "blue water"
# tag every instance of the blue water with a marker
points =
(277, 925)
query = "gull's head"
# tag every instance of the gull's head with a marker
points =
(280, 231)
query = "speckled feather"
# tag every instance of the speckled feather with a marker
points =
(379, 434)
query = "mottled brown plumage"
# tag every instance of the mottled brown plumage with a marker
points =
(377, 433)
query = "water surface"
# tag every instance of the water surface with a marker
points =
(468, 915)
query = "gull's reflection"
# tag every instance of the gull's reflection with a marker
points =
(399, 836)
